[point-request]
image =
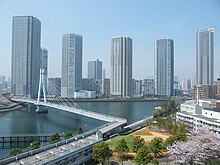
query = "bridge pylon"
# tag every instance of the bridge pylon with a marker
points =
(42, 86)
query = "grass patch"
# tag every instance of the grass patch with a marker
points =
(142, 132)
(113, 141)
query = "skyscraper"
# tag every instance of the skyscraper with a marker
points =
(44, 60)
(121, 66)
(164, 67)
(26, 36)
(71, 64)
(95, 69)
(205, 56)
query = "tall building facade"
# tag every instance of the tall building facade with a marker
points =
(71, 64)
(44, 60)
(205, 56)
(95, 69)
(148, 87)
(26, 37)
(121, 66)
(164, 67)
(55, 86)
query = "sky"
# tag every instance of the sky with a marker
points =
(98, 20)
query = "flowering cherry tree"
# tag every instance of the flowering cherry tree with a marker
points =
(199, 147)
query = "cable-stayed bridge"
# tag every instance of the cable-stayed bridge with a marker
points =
(75, 150)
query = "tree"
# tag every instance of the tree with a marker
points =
(169, 141)
(101, 152)
(121, 149)
(54, 138)
(143, 155)
(156, 145)
(160, 123)
(168, 124)
(149, 122)
(34, 145)
(79, 130)
(138, 142)
(154, 162)
(68, 135)
(198, 149)
(166, 109)
(15, 151)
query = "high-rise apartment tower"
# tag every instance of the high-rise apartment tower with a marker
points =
(95, 69)
(121, 66)
(26, 37)
(205, 56)
(164, 67)
(71, 80)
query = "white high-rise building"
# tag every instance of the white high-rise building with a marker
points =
(121, 66)
(95, 69)
(164, 67)
(25, 72)
(205, 56)
(71, 80)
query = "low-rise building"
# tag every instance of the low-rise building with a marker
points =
(202, 113)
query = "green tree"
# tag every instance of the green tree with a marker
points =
(137, 143)
(15, 151)
(168, 124)
(167, 109)
(54, 138)
(156, 145)
(169, 141)
(34, 145)
(160, 123)
(149, 122)
(79, 130)
(143, 155)
(121, 149)
(101, 152)
(68, 135)
(154, 162)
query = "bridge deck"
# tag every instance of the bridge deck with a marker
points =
(76, 110)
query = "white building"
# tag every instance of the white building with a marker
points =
(85, 94)
(204, 113)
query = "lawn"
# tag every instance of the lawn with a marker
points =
(113, 141)
(144, 133)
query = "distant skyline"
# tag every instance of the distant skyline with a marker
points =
(98, 21)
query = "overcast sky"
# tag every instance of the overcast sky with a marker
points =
(98, 20)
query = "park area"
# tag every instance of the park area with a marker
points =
(145, 133)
